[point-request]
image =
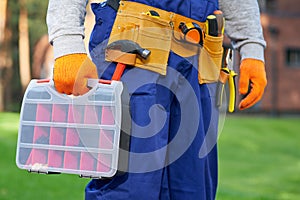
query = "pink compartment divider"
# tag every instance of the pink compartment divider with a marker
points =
(75, 114)
(38, 156)
(107, 117)
(40, 134)
(59, 112)
(104, 162)
(55, 158)
(43, 112)
(57, 135)
(87, 161)
(71, 159)
(90, 115)
(106, 136)
(106, 139)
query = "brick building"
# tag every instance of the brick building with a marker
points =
(281, 26)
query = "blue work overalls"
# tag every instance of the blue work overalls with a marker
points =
(170, 117)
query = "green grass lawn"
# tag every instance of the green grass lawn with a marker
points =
(259, 159)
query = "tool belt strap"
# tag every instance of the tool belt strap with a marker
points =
(162, 35)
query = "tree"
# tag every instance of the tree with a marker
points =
(24, 48)
(3, 7)
(5, 56)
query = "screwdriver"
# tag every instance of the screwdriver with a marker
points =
(220, 20)
(212, 25)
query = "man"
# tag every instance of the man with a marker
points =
(171, 112)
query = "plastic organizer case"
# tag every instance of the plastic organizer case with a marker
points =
(65, 134)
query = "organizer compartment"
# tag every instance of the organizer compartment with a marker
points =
(65, 134)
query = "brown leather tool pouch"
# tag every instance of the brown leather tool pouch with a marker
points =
(150, 33)
(161, 35)
(210, 59)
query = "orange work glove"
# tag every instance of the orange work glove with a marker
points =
(71, 73)
(252, 72)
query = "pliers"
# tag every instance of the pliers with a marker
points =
(227, 74)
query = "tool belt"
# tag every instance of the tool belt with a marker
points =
(161, 35)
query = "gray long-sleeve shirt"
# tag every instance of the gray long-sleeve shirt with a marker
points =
(65, 20)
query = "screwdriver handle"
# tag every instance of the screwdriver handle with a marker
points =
(212, 25)
(220, 20)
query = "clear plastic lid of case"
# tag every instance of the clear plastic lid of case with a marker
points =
(66, 134)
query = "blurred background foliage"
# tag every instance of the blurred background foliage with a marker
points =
(9, 71)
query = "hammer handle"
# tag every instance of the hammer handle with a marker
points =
(118, 72)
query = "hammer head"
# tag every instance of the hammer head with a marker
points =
(128, 46)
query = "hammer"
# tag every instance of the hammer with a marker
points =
(124, 52)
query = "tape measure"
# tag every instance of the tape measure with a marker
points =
(192, 32)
